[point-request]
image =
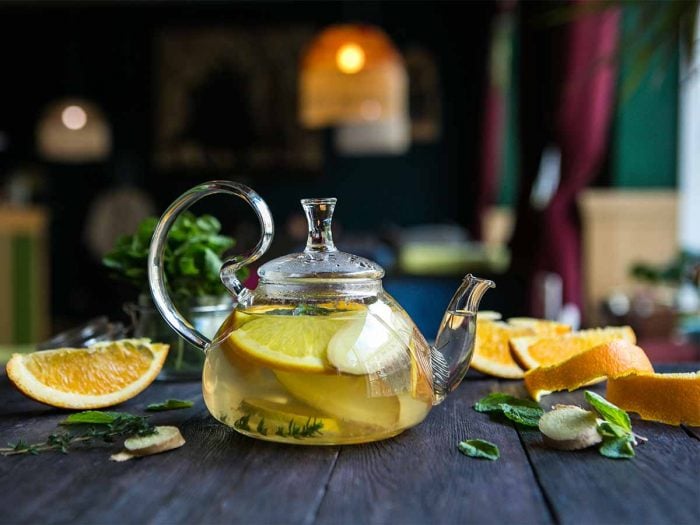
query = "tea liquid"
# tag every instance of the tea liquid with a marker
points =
(383, 385)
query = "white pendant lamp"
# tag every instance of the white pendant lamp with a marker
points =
(73, 130)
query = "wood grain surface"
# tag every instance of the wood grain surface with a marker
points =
(220, 476)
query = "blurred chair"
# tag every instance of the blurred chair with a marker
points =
(620, 228)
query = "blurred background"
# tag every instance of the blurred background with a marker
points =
(551, 146)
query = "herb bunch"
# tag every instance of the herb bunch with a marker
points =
(311, 428)
(192, 257)
(90, 426)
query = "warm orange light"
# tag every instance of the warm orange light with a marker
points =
(351, 74)
(350, 58)
(74, 117)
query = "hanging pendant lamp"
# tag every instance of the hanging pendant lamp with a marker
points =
(73, 130)
(352, 74)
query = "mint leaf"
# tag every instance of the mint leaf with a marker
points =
(527, 416)
(478, 448)
(523, 411)
(169, 404)
(493, 402)
(91, 417)
(611, 413)
(607, 429)
(617, 448)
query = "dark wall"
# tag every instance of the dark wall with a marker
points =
(103, 51)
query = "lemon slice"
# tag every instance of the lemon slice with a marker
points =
(344, 397)
(99, 376)
(287, 342)
(365, 346)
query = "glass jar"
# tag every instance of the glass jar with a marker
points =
(184, 361)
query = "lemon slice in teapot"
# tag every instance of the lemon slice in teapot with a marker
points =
(296, 343)
(368, 344)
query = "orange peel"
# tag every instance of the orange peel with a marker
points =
(613, 359)
(667, 398)
(548, 349)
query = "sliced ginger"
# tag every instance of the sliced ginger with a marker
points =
(165, 438)
(569, 427)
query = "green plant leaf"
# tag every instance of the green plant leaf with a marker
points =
(479, 448)
(191, 258)
(607, 429)
(91, 417)
(617, 447)
(493, 402)
(208, 224)
(523, 411)
(608, 411)
(187, 265)
(527, 416)
(169, 404)
(212, 264)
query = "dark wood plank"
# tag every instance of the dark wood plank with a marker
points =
(660, 485)
(693, 431)
(420, 477)
(218, 476)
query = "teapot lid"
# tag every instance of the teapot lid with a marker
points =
(320, 260)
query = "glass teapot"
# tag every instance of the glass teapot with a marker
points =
(318, 353)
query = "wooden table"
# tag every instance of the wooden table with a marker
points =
(220, 476)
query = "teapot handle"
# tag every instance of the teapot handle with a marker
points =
(156, 271)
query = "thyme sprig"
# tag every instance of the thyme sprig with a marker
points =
(311, 428)
(91, 426)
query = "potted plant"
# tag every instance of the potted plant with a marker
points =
(192, 261)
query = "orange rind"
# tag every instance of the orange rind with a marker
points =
(666, 398)
(545, 350)
(608, 360)
(101, 375)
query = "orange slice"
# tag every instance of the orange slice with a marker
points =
(491, 349)
(99, 376)
(668, 398)
(613, 359)
(534, 351)
(541, 327)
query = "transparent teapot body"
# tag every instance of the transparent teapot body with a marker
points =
(319, 371)
(318, 353)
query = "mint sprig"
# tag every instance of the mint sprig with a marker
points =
(615, 428)
(479, 448)
(88, 426)
(608, 411)
(169, 404)
(192, 258)
(617, 447)
(522, 411)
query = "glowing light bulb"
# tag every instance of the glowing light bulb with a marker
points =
(350, 58)
(74, 117)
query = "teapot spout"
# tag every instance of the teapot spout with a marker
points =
(454, 344)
